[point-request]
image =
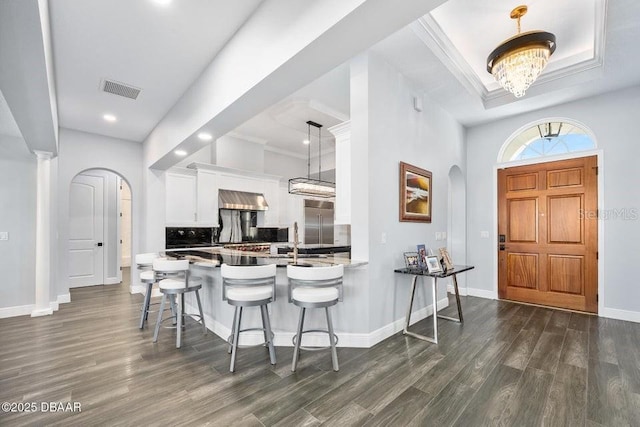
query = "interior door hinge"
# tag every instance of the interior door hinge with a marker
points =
(597, 255)
(120, 214)
(595, 168)
(597, 297)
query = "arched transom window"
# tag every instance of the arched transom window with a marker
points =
(547, 139)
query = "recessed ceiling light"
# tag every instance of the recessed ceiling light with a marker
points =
(162, 2)
(181, 153)
(205, 136)
(110, 117)
(306, 142)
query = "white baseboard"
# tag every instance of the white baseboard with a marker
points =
(19, 310)
(42, 312)
(313, 339)
(29, 309)
(614, 313)
(137, 289)
(473, 292)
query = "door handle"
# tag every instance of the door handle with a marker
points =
(99, 244)
(502, 247)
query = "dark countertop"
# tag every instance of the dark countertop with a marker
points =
(215, 256)
(314, 248)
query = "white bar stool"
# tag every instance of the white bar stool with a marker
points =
(148, 278)
(249, 287)
(176, 286)
(315, 287)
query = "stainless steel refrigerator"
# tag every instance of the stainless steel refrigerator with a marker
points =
(318, 222)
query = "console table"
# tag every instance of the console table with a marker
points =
(415, 272)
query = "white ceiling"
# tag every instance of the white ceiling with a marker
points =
(475, 27)
(163, 50)
(160, 49)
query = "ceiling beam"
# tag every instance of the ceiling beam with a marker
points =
(285, 45)
(26, 71)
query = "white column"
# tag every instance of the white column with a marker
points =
(43, 236)
(342, 132)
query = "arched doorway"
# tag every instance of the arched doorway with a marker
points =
(99, 229)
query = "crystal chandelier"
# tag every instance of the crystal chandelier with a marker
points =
(309, 186)
(518, 61)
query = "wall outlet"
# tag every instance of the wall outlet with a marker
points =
(484, 234)
(4, 235)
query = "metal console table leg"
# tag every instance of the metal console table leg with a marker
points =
(434, 287)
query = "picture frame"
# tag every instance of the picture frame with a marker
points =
(415, 193)
(448, 262)
(411, 260)
(433, 265)
(422, 256)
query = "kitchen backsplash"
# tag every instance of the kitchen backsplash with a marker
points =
(188, 237)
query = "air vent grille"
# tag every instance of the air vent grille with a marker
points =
(120, 89)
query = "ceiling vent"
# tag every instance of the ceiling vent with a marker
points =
(120, 89)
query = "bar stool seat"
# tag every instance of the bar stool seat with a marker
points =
(254, 293)
(177, 285)
(304, 294)
(148, 276)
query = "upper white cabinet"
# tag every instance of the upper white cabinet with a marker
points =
(192, 194)
(342, 132)
(181, 198)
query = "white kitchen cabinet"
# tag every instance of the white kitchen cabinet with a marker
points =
(181, 199)
(207, 198)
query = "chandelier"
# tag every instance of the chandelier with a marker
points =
(309, 186)
(517, 62)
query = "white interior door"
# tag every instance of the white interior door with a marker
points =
(86, 231)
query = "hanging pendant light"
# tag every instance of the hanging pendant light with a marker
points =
(518, 61)
(308, 186)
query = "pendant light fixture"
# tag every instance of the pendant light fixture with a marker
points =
(308, 186)
(518, 61)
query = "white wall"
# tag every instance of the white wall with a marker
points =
(613, 120)
(285, 166)
(80, 151)
(395, 132)
(237, 153)
(18, 217)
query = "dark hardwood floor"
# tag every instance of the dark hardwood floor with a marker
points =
(509, 364)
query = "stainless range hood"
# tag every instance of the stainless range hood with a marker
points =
(241, 200)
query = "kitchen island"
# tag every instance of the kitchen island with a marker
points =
(350, 315)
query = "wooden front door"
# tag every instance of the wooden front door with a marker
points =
(548, 234)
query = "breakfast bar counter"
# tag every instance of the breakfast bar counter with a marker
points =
(350, 315)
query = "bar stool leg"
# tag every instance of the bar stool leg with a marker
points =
(172, 303)
(334, 352)
(145, 305)
(233, 328)
(267, 328)
(179, 325)
(159, 321)
(264, 326)
(204, 328)
(236, 338)
(296, 348)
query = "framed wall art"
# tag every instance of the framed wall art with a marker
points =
(415, 193)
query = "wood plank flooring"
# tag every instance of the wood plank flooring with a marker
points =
(509, 364)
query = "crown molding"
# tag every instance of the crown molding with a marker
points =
(431, 34)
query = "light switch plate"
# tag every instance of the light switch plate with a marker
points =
(484, 234)
(444, 235)
(438, 235)
(383, 238)
(4, 235)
